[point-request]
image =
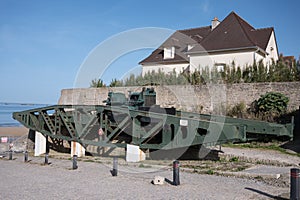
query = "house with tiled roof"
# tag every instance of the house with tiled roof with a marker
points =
(220, 44)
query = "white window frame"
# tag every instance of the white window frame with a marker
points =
(220, 66)
(169, 52)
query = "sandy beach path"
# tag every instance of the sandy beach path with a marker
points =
(13, 131)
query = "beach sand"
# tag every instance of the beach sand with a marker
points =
(13, 131)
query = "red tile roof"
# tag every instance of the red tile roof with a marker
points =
(232, 33)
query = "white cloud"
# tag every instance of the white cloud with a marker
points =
(205, 6)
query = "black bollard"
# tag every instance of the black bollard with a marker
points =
(26, 156)
(176, 180)
(114, 171)
(46, 159)
(295, 184)
(75, 162)
(10, 155)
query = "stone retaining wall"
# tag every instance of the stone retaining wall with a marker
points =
(211, 98)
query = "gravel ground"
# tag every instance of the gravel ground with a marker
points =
(92, 180)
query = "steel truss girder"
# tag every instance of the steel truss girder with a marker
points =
(149, 130)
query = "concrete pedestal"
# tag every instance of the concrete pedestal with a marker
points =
(134, 154)
(77, 149)
(40, 144)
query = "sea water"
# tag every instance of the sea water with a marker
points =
(6, 110)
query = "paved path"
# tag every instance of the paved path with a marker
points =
(19, 180)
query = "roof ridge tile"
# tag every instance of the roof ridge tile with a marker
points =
(258, 29)
(189, 29)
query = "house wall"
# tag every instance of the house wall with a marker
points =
(241, 59)
(272, 54)
(164, 68)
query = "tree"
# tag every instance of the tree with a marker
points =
(233, 74)
(238, 74)
(271, 72)
(298, 70)
(196, 78)
(97, 83)
(262, 72)
(258, 72)
(205, 74)
(246, 75)
(254, 73)
(131, 81)
(116, 83)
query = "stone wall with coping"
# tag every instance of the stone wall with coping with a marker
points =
(210, 98)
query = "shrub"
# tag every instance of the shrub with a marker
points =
(272, 102)
(238, 110)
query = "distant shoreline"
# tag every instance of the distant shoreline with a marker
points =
(16, 124)
(13, 131)
(25, 104)
(6, 114)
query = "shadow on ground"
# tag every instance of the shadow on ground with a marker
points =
(284, 196)
(192, 153)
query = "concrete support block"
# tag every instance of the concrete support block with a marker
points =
(158, 180)
(40, 144)
(134, 154)
(77, 149)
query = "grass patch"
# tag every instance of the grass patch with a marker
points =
(214, 167)
(210, 172)
(238, 169)
(144, 166)
(275, 146)
(89, 160)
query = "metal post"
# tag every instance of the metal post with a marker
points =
(114, 171)
(26, 156)
(46, 159)
(10, 155)
(47, 144)
(75, 162)
(295, 184)
(176, 180)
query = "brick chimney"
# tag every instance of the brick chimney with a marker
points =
(214, 23)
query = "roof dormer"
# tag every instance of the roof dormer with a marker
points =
(169, 52)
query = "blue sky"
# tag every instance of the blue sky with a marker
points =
(44, 43)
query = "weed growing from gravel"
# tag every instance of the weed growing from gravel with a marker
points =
(234, 159)
(144, 166)
(240, 169)
(89, 160)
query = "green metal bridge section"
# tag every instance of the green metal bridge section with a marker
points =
(155, 128)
